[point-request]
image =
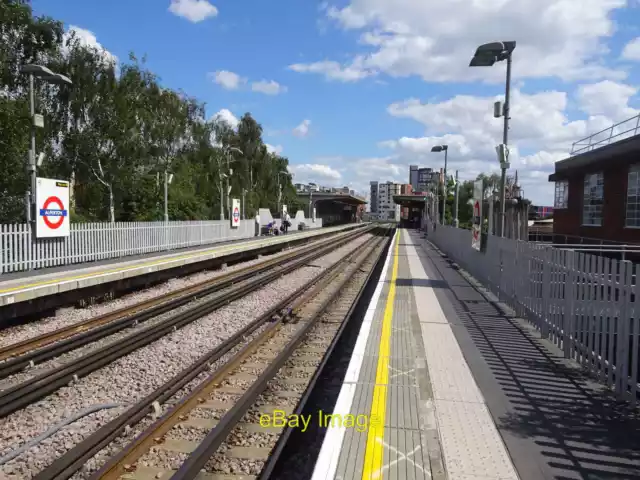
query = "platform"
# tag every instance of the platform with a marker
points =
(29, 286)
(454, 389)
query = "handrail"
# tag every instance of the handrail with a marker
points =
(594, 246)
(590, 145)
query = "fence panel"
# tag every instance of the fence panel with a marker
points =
(585, 304)
(88, 242)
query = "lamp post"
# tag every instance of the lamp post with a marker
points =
(221, 176)
(280, 191)
(168, 178)
(244, 193)
(37, 121)
(486, 55)
(457, 189)
(445, 149)
(495, 197)
(230, 159)
(516, 200)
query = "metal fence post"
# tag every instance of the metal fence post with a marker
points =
(568, 319)
(622, 343)
(546, 284)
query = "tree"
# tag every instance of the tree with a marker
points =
(25, 39)
(117, 130)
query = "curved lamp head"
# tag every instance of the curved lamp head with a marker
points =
(45, 74)
(440, 148)
(489, 53)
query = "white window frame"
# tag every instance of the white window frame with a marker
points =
(561, 197)
(593, 200)
(632, 216)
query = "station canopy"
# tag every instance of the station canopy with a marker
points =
(415, 200)
(333, 197)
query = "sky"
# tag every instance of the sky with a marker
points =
(357, 90)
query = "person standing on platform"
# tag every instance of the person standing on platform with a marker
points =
(287, 222)
(258, 229)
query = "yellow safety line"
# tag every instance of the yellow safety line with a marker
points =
(140, 265)
(374, 453)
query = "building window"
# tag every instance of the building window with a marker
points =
(633, 197)
(562, 195)
(593, 200)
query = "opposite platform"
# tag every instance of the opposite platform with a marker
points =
(46, 283)
(408, 376)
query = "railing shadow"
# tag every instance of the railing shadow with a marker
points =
(578, 427)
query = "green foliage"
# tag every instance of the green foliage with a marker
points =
(115, 133)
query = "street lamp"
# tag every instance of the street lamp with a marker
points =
(445, 149)
(486, 55)
(37, 121)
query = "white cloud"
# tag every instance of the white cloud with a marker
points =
(302, 130)
(316, 173)
(561, 38)
(274, 149)
(86, 38)
(631, 50)
(607, 98)
(333, 70)
(193, 10)
(268, 87)
(228, 117)
(540, 127)
(227, 79)
(354, 172)
(232, 81)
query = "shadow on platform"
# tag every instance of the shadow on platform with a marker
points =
(556, 421)
(420, 282)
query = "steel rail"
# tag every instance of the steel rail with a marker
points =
(193, 465)
(23, 394)
(271, 464)
(162, 303)
(116, 466)
(69, 463)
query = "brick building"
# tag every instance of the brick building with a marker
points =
(597, 189)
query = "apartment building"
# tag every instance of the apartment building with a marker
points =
(388, 210)
(373, 198)
(425, 177)
(413, 176)
(420, 178)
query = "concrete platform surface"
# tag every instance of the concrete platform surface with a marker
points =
(408, 377)
(45, 282)
(452, 388)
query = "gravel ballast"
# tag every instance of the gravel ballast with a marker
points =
(72, 315)
(130, 378)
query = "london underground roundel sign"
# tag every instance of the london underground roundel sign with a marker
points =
(235, 213)
(52, 208)
(53, 212)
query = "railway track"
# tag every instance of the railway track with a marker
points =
(229, 288)
(32, 350)
(220, 426)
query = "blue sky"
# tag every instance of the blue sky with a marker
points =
(378, 82)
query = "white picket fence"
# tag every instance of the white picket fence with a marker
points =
(90, 242)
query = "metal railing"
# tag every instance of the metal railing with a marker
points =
(88, 242)
(585, 304)
(625, 129)
(584, 244)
